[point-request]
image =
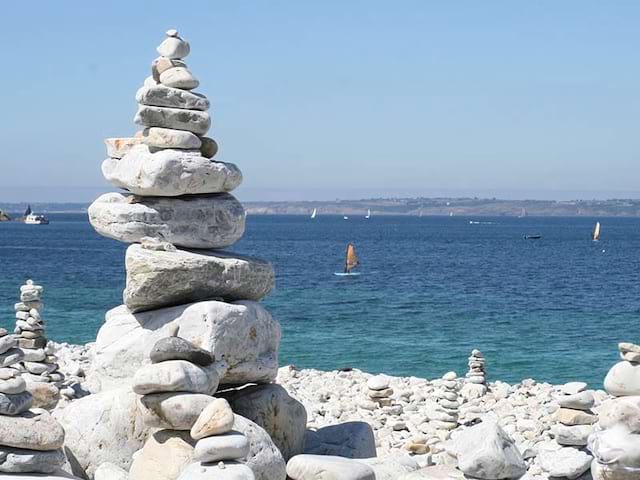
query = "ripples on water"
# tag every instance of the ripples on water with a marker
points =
(431, 289)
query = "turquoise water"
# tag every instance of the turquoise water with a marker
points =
(431, 289)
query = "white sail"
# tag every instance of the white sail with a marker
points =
(368, 213)
(315, 212)
(596, 232)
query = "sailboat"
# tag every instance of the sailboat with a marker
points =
(523, 213)
(596, 232)
(31, 218)
(368, 215)
(345, 217)
(314, 213)
(350, 262)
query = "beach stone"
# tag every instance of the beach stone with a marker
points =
(627, 347)
(437, 472)
(32, 431)
(623, 379)
(576, 435)
(609, 472)
(567, 462)
(227, 446)
(209, 147)
(196, 221)
(11, 357)
(568, 416)
(632, 357)
(578, 401)
(166, 138)
(33, 355)
(7, 372)
(175, 376)
(15, 404)
(162, 64)
(264, 458)
(617, 451)
(225, 471)
(179, 77)
(45, 395)
(165, 455)
(170, 173)
(109, 471)
(194, 121)
(215, 419)
(157, 279)
(176, 348)
(327, 467)
(242, 333)
(622, 410)
(29, 335)
(32, 343)
(174, 47)
(572, 388)
(391, 466)
(175, 411)
(270, 406)
(378, 382)
(7, 342)
(348, 440)
(102, 427)
(485, 451)
(13, 386)
(17, 460)
(159, 95)
(119, 147)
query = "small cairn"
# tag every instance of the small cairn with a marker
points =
(615, 443)
(445, 417)
(39, 365)
(476, 379)
(30, 440)
(379, 390)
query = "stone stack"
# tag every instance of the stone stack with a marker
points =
(445, 417)
(616, 442)
(30, 440)
(379, 390)
(39, 365)
(476, 379)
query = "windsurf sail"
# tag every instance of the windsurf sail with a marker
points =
(351, 260)
(596, 232)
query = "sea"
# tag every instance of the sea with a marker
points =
(430, 290)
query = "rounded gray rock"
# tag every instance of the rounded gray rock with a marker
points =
(174, 411)
(191, 120)
(175, 376)
(15, 404)
(228, 446)
(18, 460)
(176, 348)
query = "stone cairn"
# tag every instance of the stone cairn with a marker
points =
(30, 439)
(445, 417)
(476, 378)
(379, 390)
(616, 442)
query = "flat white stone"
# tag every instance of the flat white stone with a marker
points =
(174, 411)
(158, 95)
(326, 467)
(378, 382)
(228, 446)
(572, 388)
(179, 77)
(566, 462)
(174, 47)
(191, 120)
(578, 401)
(175, 376)
(119, 147)
(623, 379)
(167, 138)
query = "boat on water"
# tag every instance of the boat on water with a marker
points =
(368, 215)
(534, 236)
(345, 217)
(523, 213)
(350, 262)
(314, 213)
(31, 218)
(595, 236)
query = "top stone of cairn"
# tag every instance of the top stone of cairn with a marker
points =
(174, 46)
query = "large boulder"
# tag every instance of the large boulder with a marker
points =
(326, 467)
(164, 456)
(195, 221)
(264, 459)
(485, 451)
(623, 379)
(282, 416)
(622, 410)
(158, 278)
(242, 335)
(348, 440)
(170, 172)
(103, 427)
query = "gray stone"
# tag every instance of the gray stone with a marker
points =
(575, 435)
(283, 417)
(623, 379)
(157, 279)
(170, 173)
(326, 467)
(349, 440)
(45, 395)
(243, 334)
(11, 357)
(578, 401)
(179, 77)
(196, 221)
(13, 386)
(209, 147)
(7, 372)
(572, 388)
(174, 47)
(33, 355)
(228, 446)
(163, 96)
(391, 466)
(34, 343)
(226, 471)
(17, 460)
(195, 121)
(175, 376)
(264, 458)
(167, 138)
(7, 342)
(215, 419)
(15, 404)
(162, 64)
(176, 348)
(119, 147)
(33, 431)
(623, 410)
(567, 462)
(175, 411)
(437, 472)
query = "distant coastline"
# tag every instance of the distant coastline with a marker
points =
(461, 207)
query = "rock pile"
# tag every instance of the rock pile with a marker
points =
(476, 379)
(30, 440)
(444, 418)
(379, 390)
(616, 442)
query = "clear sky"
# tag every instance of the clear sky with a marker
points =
(335, 98)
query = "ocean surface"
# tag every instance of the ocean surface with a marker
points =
(430, 290)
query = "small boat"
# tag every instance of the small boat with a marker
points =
(350, 262)
(523, 213)
(345, 218)
(314, 213)
(535, 236)
(596, 232)
(451, 214)
(31, 218)
(368, 215)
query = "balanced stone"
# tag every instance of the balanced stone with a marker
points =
(39, 342)
(174, 47)
(217, 418)
(11, 356)
(15, 404)
(176, 348)
(162, 64)
(159, 279)
(13, 386)
(623, 379)
(219, 471)
(17, 460)
(175, 411)
(174, 376)
(33, 431)
(162, 96)
(7, 342)
(165, 454)
(167, 138)
(179, 77)
(227, 446)
(209, 147)
(194, 121)
(578, 401)
(7, 372)
(119, 147)
(170, 172)
(197, 221)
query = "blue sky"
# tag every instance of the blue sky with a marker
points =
(348, 99)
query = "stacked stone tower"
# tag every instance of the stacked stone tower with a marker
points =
(445, 417)
(476, 379)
